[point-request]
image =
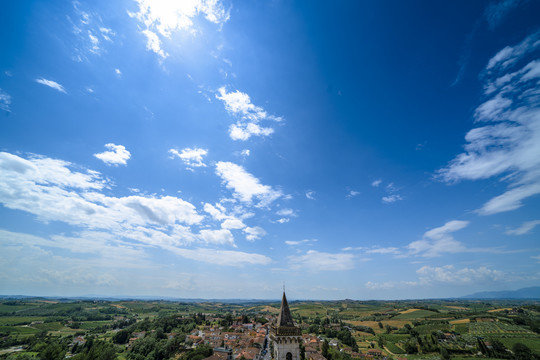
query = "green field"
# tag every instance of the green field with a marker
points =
(531, 343)
(20, 320)
(18, 330)
(394, 348)
(429, 328)
(398, 323)
(417, 314)
(10, 309)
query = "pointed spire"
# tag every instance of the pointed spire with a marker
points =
(285, 317)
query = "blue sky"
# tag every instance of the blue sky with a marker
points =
(216, 149)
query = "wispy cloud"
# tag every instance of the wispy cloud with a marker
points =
(510, 144)
(310, 194)
(384, 251)
(117, 155)
(286, 215)
(391, 198)
(51, 190)
(5, 101)
(315, 261)
(352, 193)
(111, 226)
(525, 228)
(192, 157)
(497, 11)
(254, 233)
(511, 54)
(223, 257)
(219, 237)
(376, 183)
(450, 275)
(161, 18)
(392, 194)
(51, 84)
(245, 186)
(447, 274)
(90, 32)
(248, 115)
(299, 242)
(439, 240)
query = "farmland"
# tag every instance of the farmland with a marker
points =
(415, 329)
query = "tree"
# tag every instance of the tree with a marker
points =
(381, 342)
(521, 351)
(445, 355)
(411, 347)
(121, 337)
(324, 349)
(52, 352)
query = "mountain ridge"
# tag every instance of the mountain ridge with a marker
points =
(532, 292)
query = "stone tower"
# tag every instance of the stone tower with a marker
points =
(285, 335)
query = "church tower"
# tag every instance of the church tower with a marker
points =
(285, 335)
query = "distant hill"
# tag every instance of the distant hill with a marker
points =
(525, 293)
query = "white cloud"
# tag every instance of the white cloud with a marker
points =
(392, 195)
(286, 212)
(297, 242)
(254, 233)
(376, 183)
(245, 152)
(89, 32)
(117, 155)
(511, 54)
(161, 18)
(310, 195)
(321, 261)
(118, 72)
(219, 237)
(49, 189)
(525, 228)
(154, 44)
(5, 101)
(508, 146)
(536, 258)
(241, 131)
(52, 84)
(191, 157)
(249, 116)
(233, 224)
(449, 274)
(391, 198)
(217, 212)
(439, 240)
(245, 186)
(387, 250)
(381, 286)
(352, 193)
(223, 257)
(112, 228)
